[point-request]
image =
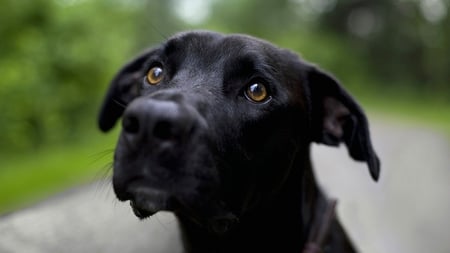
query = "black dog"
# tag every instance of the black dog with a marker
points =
(217, 129)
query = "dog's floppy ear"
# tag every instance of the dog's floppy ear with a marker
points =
(338, 118)
(123, 88)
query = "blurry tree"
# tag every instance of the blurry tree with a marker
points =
(391, 43)
(406, 42)
(264, 19)
(293, 24)
(56, 58)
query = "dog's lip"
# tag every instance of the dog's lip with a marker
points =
(143, 213)
(146, 201)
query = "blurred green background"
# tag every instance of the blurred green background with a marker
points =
(57, 57)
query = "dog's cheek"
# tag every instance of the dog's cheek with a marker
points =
(276, 142)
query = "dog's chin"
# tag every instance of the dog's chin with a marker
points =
(213, 215)
(145, 202)
(144, 210)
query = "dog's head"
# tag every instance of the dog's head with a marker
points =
(211, 124)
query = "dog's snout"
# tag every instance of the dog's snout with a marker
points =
(151, 119)
(164, 130)
(131, 124)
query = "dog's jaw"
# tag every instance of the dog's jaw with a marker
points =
(192, 196)
(147, 201)
(215, 217)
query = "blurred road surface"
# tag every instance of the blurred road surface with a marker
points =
(408, 210)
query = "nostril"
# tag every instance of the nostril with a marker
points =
(163, 130)
(131, 124)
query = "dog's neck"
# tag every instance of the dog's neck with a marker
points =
(281, 224)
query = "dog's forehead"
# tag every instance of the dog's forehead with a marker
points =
(212, 46)
(229, 61)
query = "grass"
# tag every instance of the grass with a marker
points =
(27, 179)
(30, 178)
(411, 109)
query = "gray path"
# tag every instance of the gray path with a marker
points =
(407, 211)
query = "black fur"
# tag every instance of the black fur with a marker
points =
(237, 173)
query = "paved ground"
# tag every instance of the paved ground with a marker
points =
(407, 211)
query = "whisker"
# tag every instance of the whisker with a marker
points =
(120, 103)
(101, 155)
(159, 32)
(102, 177)
(105, 172)
(164, 225)
(103, 181)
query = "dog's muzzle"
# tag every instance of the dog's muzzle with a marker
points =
(160, 122)
(164, 162)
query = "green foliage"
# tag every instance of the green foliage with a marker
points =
(402, 42)
(58, 56)
(390, 44)
(57, 60)
(29, 178)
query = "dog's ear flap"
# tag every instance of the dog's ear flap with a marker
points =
(338, 118)
(123, 88)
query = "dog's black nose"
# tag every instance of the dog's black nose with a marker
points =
(151, 119)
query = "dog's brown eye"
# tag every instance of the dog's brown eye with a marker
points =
(155, 75)
(256, 92)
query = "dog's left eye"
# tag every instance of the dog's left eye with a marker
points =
(257, 92)
(155, 75)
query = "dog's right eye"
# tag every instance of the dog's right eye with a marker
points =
(257, 93)
(155, 75)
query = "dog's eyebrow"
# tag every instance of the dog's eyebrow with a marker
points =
(240, 70)
(169, 47)
(248, 66)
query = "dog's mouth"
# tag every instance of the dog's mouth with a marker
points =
(145, 202)
(211, 214)
(143, 212)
